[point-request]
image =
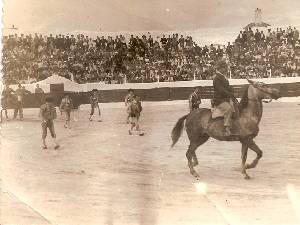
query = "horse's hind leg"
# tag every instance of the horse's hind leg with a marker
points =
(203, 139)
(258, 152)
(190, 154)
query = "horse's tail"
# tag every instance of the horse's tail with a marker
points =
(177, 130)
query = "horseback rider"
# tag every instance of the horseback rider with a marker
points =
(195, 99)
(223, 95)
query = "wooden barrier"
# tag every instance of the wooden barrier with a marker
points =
(153, 94)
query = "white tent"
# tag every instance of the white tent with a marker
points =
(55, 79)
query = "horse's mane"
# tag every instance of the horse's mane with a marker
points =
(244, 100)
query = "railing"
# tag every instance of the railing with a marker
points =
(160, 91)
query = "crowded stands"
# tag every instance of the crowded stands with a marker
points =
(143, 59)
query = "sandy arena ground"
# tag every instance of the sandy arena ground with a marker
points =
(101, 175)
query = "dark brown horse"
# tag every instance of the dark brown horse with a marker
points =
(200, 126)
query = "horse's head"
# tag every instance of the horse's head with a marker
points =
(261, 91)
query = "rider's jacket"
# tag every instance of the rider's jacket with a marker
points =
(222, 90)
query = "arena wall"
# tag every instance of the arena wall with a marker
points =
(159, 91)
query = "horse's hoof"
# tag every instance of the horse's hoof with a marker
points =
(195, 174)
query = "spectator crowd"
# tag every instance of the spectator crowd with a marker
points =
(141, 59)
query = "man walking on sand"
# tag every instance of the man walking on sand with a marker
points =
(48, 114)
(94, 100)
(66, 106)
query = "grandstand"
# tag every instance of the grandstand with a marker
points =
(145, 58)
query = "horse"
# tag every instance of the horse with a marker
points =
(200, 126)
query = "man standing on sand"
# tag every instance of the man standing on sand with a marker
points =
(134, 110)
(94, 101)
(66, 106)
(48, 114)
(195, 99)
(128, 98)
(20, 93)
(6, 99)
(40, 93)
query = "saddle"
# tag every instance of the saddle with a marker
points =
(218, 113)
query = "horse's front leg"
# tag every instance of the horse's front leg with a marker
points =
(244, 159)
(195, 159)
(258, 152)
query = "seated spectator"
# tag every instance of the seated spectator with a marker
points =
(143, 58)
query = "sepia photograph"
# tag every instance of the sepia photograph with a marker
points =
(150, 112)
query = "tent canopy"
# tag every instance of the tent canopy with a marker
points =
(55, 79)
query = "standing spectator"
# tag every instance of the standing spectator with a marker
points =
(20, 93)
(38, 90)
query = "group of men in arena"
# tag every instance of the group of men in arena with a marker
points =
(223, 100)
(13, 99)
